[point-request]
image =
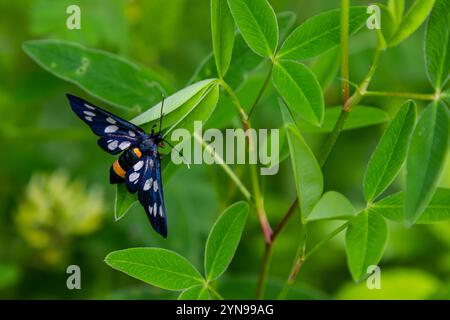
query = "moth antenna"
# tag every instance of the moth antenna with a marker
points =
(161, 115)
(179, 153)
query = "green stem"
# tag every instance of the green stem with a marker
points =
(298, 263)
(258, 199)
(261, 91)
(215, 293)
(236, 103)
(332, 138)
(264, 271)
(408, 95)
(224, 166)
(362, 89)
(325, 240)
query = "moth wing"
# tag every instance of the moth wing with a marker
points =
(145, 178)
(116, 134)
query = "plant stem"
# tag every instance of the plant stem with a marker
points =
(284, 220)
(331, 141)
(332, 138)
(215, 293)
(236, 103)
(298, 262)
(408, 95)
(259, 206)
(225, 167)
(345, 4)
(258, 199)
(261, 91)
(264, 271)
(362, 88)
(326, 239)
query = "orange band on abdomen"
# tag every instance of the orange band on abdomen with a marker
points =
(137, 152)
(118, 169)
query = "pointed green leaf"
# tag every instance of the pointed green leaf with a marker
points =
(222, 30)
(412, 20)
(124, 201)
(300, 90)
(390, 154)
(159, 267)
(320, 33)
(176, 105)
(396, 8)
(307, 172)
(100, 73)
(426, 159)
(243, 60)
(365, 241)
(437, 44)
(257, 23)
(332, 205)
(224, 238)
(438, 209)
(199, 292)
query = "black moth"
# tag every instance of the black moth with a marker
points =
(139, 165)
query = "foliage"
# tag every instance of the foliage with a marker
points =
(264, 70)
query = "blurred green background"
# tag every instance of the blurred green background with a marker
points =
(56, 205)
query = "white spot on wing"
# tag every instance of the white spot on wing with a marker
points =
(88, 118)
(155, 209)
(89, 107)
(110, 129)
(124, 145)
(161, 211)
(131, 133)
(111, 120)
(155, 185)
(113, 145)
(150, 209)
(147, 184)
(133, 177)
(138, 165)
(89, 113)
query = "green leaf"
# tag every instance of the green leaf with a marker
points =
(102, 74)
(124, 201)
(177, 106)
(222, 29)
(412, 20)
(320, 33)
(243, 60)
(437, 44)
(365, 241)
(300, 90)
(159, 267)
(437, 210)
(426, 159)
(199, 292)
(307, 172)
(257, 23)
(224, 238)
(390, 154)
(360, 117)
(396, 8)
(332, 205)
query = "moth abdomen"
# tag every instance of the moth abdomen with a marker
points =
(119, 168)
